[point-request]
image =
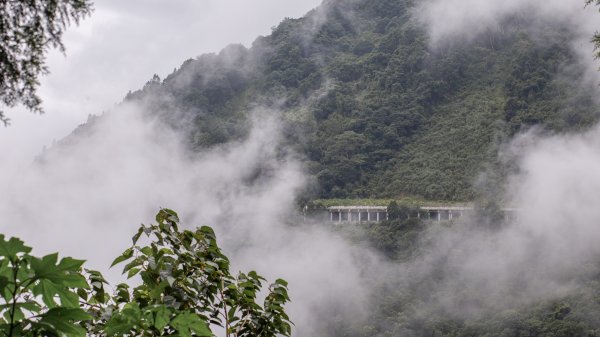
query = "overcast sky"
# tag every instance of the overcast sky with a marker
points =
(120, 47)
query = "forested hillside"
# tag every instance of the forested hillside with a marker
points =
(373, 108)
(375, 111)
(429, 297)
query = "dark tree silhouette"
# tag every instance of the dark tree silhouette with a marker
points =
(596, 38)
(28, 29)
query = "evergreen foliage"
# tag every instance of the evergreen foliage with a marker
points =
(596, 38)
(415, 306)
(375, 109)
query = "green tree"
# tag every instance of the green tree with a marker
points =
(393, 210)
(188, 289)
(39, 296)
(596, 38)
(28, 29)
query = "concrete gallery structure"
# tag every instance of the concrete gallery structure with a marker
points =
(339, 214)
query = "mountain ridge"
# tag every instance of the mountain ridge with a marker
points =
(375, 110)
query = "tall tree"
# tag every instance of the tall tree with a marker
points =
(596, 38)
(28, 29)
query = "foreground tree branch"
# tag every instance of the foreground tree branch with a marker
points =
(28, 29)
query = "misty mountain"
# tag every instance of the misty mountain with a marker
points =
(373, 107)
(366, 99)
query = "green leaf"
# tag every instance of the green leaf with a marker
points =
(12, 247)
(122, 293)
(127, 254)
(72, 314)
(137, 235)
(65, 273)
(62, 321)
(156, 292)
(68, 299)
(146, 251)
(125, 320)
(30, 306)
(18, 315)
(281, 282)
(167, 214)
(4, 282)
(49, 290)
(187, 323)
(134, 263)
(133, 272)
(162, 317)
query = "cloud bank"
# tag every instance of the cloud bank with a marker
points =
(87, 196)
(87, 199)
(448, 21)
(118, 48)
(477, 267)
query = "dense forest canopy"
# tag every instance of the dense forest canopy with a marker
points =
(374, 108)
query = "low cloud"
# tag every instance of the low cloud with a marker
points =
(450, 21)
(87, 196)
(476, 267)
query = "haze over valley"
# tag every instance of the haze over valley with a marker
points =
(399, 103)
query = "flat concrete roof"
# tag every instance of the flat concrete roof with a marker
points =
(446, 208)
(423, 208)
(349, 208)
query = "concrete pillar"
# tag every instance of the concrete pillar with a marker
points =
(377, 216)
(359, 214)
(331, 215)
(339, 215)
(349, 215)
(439, 215)
(450, 215)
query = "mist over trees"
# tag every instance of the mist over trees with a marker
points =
(373, 109)
(596, 38)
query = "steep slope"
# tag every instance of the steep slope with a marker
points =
(439, 302)
(373, 108)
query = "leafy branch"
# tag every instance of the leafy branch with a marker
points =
(188, 288)
(38, 297)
